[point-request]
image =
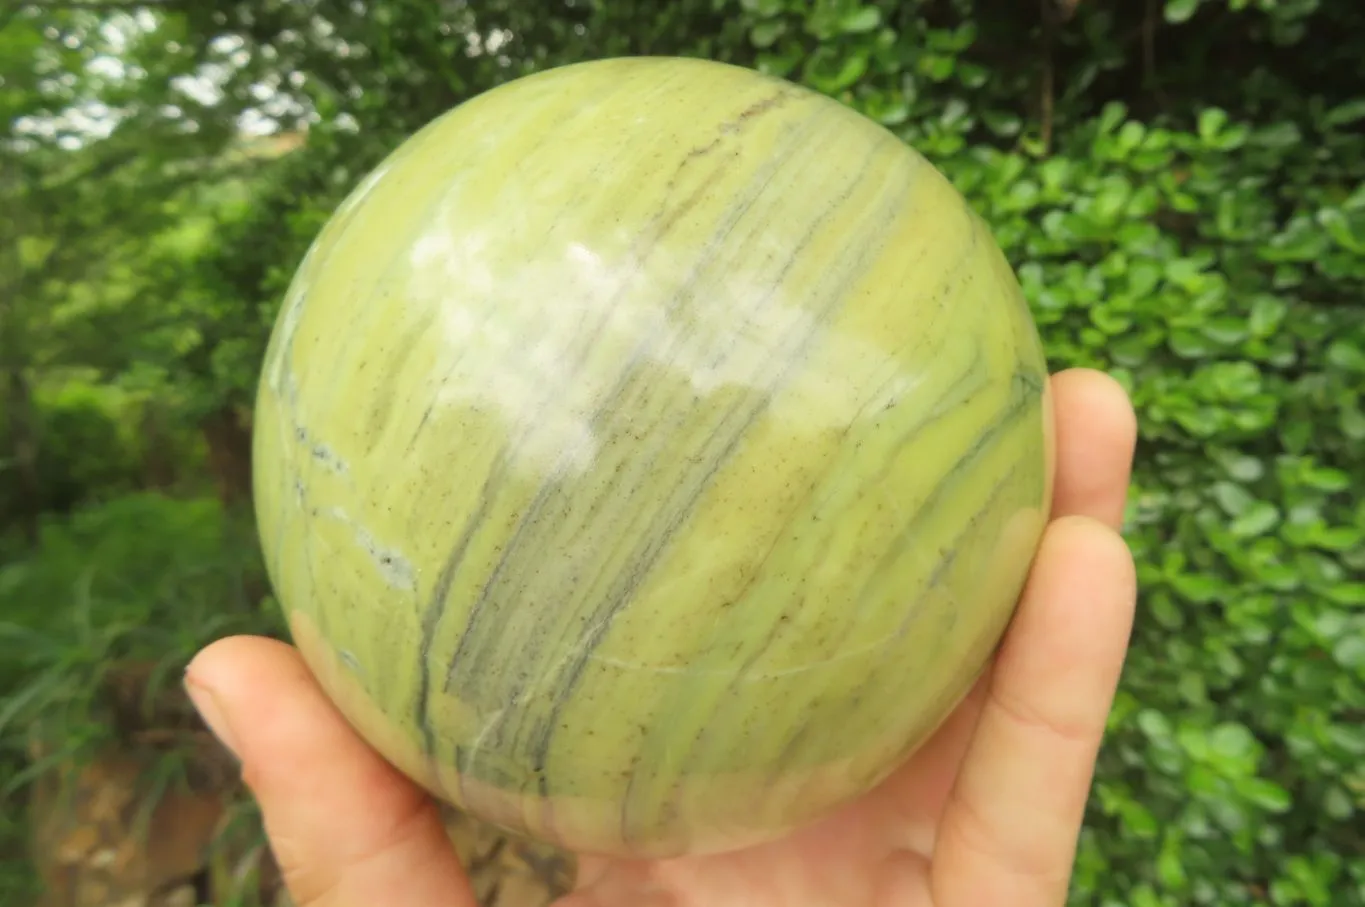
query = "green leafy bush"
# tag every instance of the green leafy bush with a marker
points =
(140, 579)
(87, 448)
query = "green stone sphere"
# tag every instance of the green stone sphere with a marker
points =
(649, 455)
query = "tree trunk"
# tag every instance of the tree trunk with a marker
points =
(160, 468)
(228, 437)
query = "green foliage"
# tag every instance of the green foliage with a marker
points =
(139, 582)
(88, 448)
(1180, 185)
(142, 579)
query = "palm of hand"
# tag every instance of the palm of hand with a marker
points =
(877, 851)
(986, 813)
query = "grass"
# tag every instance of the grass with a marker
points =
(96, 625)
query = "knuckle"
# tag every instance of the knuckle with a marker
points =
(1033, 717)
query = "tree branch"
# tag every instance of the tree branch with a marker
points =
(1048, 88)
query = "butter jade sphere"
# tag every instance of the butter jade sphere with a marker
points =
(649, 454)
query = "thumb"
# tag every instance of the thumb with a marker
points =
(345, 826)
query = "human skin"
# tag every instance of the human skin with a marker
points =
(987, 812)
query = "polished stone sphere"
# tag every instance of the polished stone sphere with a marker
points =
(649, 454)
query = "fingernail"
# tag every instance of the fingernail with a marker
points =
(209, 708)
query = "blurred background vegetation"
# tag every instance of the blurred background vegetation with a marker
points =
(1180, 184)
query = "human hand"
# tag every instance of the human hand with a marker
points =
(986, 813)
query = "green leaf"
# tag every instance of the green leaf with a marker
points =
(1258, 519)
(1277, 136)
(1211, 120)
(1338, 538)
(863, 19)
(1326, 479)
(1113, 195)
(1111, 115)
(1003, 123)
(1131, 135)
(1350, 738)
(1138, 820)
(831, 71)
(1169, 867)
(1312, 886)
(1234, 499)
(1340, 229)
(1352, 421)
(1266, 316)
(1165, 610)
(1227, 331)
(1344, 114)
(1178, 11)
(1337, 804)
(1349, 652)
(971, 75)
(1230, 740)
(1199, 588)
(1347, 594)
(1344, 354)
(1240, 466)
(765, 34)
(1153, 724)
(1266, 794)
(1331, 624)
(938, 67)
(1232, 380)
